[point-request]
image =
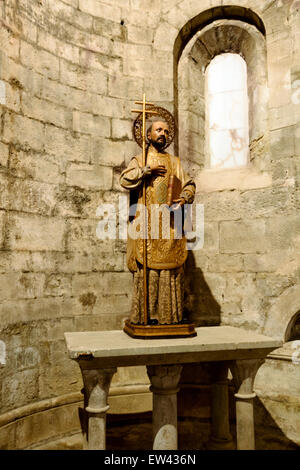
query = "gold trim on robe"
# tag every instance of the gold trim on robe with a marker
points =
(162, 253)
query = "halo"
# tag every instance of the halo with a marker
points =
(137, 129)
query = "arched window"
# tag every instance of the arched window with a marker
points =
(248, 141)
(293, 329)
(227, 121)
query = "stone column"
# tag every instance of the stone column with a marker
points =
(244, 372)
(96, 387)
(164, 385)
(220, 438)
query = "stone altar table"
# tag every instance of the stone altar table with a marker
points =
(99, 353)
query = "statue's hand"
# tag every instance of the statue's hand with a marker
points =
(180, 202)
(159, 170)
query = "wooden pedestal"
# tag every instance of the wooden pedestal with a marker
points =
(159, 331)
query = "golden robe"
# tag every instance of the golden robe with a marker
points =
(165, 256)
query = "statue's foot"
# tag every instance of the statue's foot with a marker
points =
(153, 322)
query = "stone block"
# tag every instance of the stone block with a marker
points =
(72, 14)
(282, 116)
(282, 142)
(106, 63)
(28, 28)
(139, 34)
(45, 111)
(238, 286)
(284, 172)
(267, 202)
(89, 176)
(16, 311)
(274, 261)
(72, 3)
(121, 129)
(57, 47)
(162, 93)
(108, 304)
(3, 154)
(26, 132)
(2, 228)
(76, 202)
(20, 76)
(62, 95)
(9, 43)
(282, 232)
(91, 124)
(32, 196)
(35, 166)
(211, 236)
(21, 388)
(39, 430)
(57, 285)
(64, 145)
(11, 97)
(271, 285)
(15, 261)
(133, 16)
(144, 67)
(58, 262)
(4, 193)
(128, 88)
(111, 321)
(223, 205)
(280, 80)
(41, 61)
(275, 18)
(100, 9)
(225, 263)
(108, 28)
(7, 438)
(82, 237)
(108, 152)
(244, 236)
(216, 284)
(297, 140)
(33, 232)
(45, 262)
(55, 329)
(165, 36)
(102, 284)
(106, 106)
(108, 262)
(75, 76)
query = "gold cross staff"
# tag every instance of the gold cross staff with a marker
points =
(145, 112)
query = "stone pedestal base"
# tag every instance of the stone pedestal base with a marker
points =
(159, 331)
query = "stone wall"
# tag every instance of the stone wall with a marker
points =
(70, 71)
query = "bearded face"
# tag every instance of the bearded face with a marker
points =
(158, 134)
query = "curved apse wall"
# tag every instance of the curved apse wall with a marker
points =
(70, 71)
(64, 136)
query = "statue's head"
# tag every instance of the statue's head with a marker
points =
(157, 134)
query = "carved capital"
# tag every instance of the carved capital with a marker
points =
(164, 379)
(96, 386)
(243, 373)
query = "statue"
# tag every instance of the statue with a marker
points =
(159, 188)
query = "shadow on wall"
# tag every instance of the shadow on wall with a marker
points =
(268, 436)
(201, 306)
